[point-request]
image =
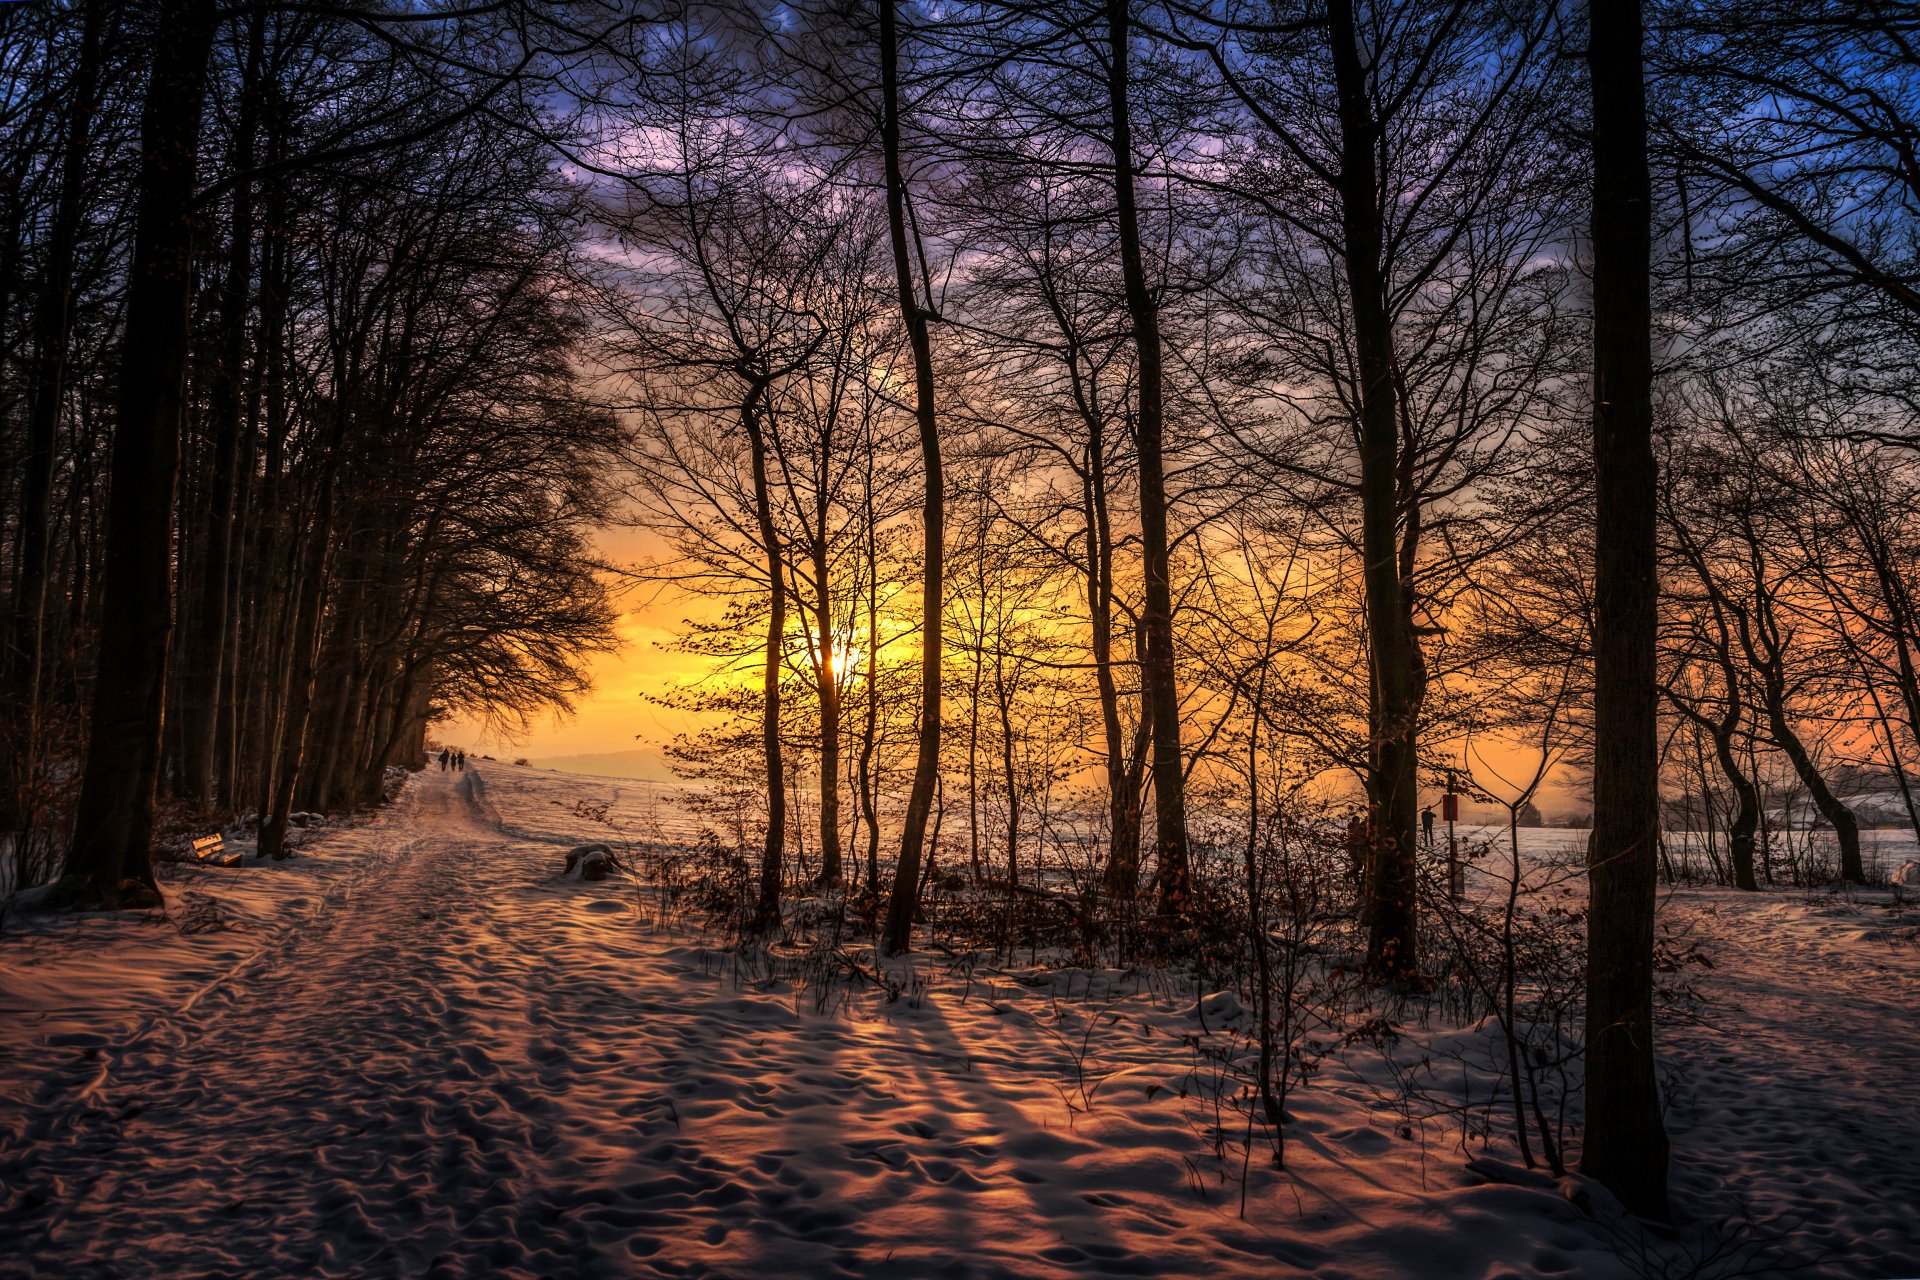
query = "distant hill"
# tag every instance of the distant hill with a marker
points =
(642, 762)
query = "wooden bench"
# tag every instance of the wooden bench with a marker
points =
(212, 851)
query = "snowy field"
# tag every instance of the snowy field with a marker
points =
(417, 1051)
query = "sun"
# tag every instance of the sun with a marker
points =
(844, 659)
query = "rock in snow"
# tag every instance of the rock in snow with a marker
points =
(1220, 1007)
(589, 862)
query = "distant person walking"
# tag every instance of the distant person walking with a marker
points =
(460, 760)
(1426, 824)
(446, 758)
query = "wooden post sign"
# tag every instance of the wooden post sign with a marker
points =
(1456, 877)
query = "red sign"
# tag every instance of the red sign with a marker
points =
(1450, 807)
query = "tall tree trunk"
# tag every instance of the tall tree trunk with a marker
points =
(54, 331)
(870, 727)
(312, 559)
(1391, 905)
(13, 224)
(1626, 1139)
(266, 611)
(767, 912)
(1162, 695)
(229, 695)
(343, 726)
(290, 748)
(276, 614)
(829, 693)
(206, 657)
(973, 744)
(904, 901)
(1123, 793)
(113, 829)
(1003, 702)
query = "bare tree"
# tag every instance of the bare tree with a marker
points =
(109, 861)
(1626, 1140)
(904, 900)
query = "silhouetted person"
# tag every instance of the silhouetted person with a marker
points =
(1426, 822)
(460, 760)
(446, 758)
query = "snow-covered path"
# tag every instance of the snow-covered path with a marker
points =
(1795, 1093)
(461, 1065)
(380, 1089)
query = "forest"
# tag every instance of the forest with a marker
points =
(1123, 467)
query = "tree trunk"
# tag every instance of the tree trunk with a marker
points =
(1003, 702)
(870, 728)
(1846, 827)
(829, 692)
(1391, 903)
(1746, 812)
(1123, 793)
(205, 658)
(54, 325)
(906, 875)
(973, 744)
(773, 852)
(1767, 648)
(297, 691)
(114, 825)
(1626, 1140)
(1159, 679)
(292, 738)
(266, 611)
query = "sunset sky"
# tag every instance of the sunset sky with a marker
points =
(619, 719)
(616, 716)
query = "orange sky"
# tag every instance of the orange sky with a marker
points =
(616, 717)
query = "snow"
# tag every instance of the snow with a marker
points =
(419, 1049)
